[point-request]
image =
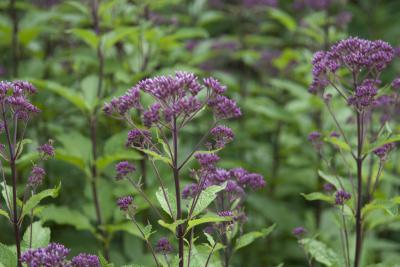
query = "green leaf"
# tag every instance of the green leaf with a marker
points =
(165, 199)
(318, 196)
(206, 197)
(114, 36)
(171, 226)
(104, 262)
(339, 143)
(319, 251)
(284, 18)
(335, 181)
(34, 200)
(388, 206)
(65, 216)
(40, 236)
(87, 36)
(371, 147)
(195, 222)
(67, 93)
(155, 155)
(104, 161)
(249, 238)
(89, 88)
(4, 213)
(128, 227)
(7, 257)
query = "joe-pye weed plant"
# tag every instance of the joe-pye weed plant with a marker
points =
(177, 101)
(351, 71)
(20, 202)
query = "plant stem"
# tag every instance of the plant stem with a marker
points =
(15, 219)
(177, 193)
(14, 44)
(359, 160)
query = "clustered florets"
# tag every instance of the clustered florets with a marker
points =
(36, 177)
(237, 179)
(299, 231)
(14, 94)
(55, 255)
(341, 196)
(355, 55)
(176, 97)
(221, 136)
(124, 203)
(383, 151)
(46, 150)
(163, 246)
(124, 168)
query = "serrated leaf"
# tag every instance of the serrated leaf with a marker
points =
(213, 219)
(165, 199)
(87, 36)
(171, 226)
(65, 216)
(7, 257)
(249, 238)
(65, 92)
(155, 155)
(318, 196)
(206, 197)
(319, 251)
(34, 200)
(40, 236)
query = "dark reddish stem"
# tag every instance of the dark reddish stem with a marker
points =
(15, 218)
(177, 193)
(359, 160)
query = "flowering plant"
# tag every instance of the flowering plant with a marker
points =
(363, 61)
(177, 101)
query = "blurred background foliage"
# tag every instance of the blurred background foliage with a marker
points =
(261, 49)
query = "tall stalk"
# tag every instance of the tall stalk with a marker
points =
(177, 193)
(359, 160)
(15, 217)
(94, 126)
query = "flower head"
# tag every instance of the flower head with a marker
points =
(163, 246)
(222, 135)
(124, 168)
(124, 203)
(396, 83)
(54, 255)
(383, 151)
(36, 177)
(341, 196)
(299, 231)
(85, 260)
(138, 138)
(46, 150)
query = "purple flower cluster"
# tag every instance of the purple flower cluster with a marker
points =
(316, 139)
(383, 151)
(299, 231)
(138, 138)
(396, 83)
(124, 168)
(313, 4)
(177, 100)
(14, 95)
(221, 136)
(124, 203)
(355, 55)
(237, 179)
(36, 177)
(163, 246)
(364, 95)
(54, 255)
(46, 150)
(85, 260)
(341, 196)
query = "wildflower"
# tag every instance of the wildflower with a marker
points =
(85, 260)
(121, 105)
(124, 168)
(214, 85)
(207, 160)
(226, 213)
(396, 83)
(383, 151)
(46, 150)
(138, 138)
(163, 246)
(341, 196)
(299, 231)
(224, 108)
(221, 135)
(36, 177)
(124, 203)
(328, 187)
(52, 255)
(364, 95)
